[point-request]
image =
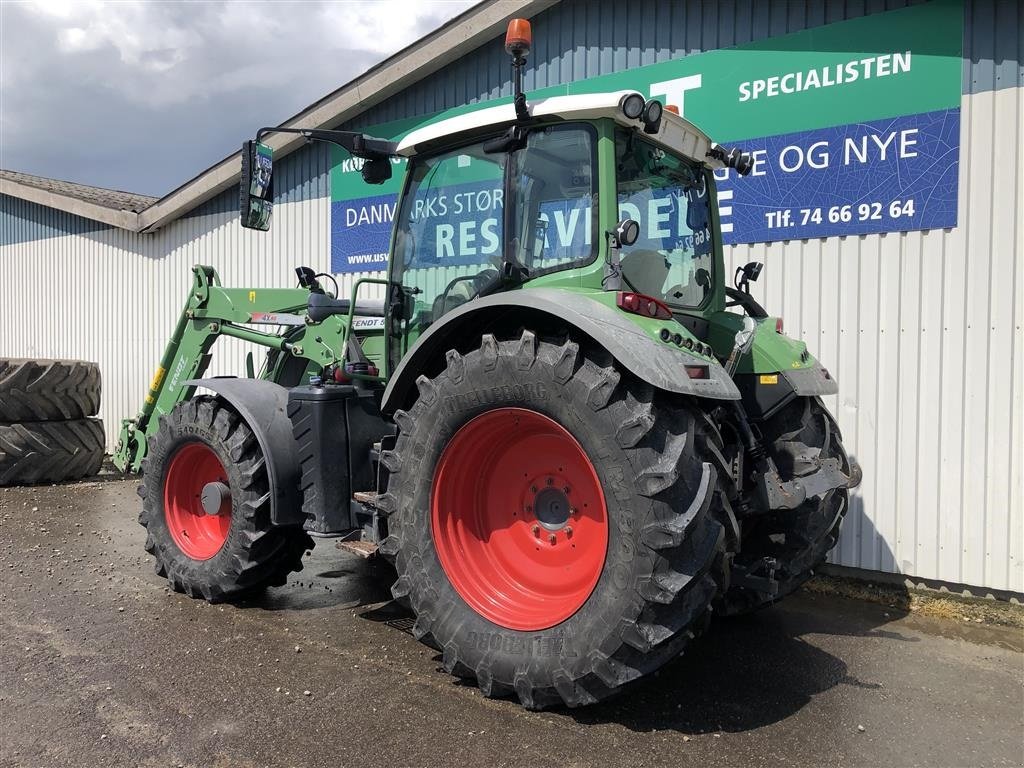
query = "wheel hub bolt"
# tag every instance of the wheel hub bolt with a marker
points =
(536, 531)
(551, 481)
(552, 539)
(566, 490)
(533, 489)
(568, 531)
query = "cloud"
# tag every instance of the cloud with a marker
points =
(144, 95)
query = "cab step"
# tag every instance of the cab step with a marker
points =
(364, 549)
(369, 498)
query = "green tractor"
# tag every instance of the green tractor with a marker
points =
(570, 437)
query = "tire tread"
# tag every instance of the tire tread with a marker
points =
(50, 451)
(48, 390)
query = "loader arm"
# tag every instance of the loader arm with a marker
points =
(212, 311)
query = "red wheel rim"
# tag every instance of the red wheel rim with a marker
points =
(519, 519)
(199, 535)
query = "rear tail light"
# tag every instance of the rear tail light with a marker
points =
(639, 304)
(697, 371)
(778, 325)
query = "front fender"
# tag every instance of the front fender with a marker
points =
(659, 364)
(264, 406)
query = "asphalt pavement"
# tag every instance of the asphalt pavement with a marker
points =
(102, 665)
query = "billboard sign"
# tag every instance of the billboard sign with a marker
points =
(854, 129)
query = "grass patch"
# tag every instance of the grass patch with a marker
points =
(924, 602)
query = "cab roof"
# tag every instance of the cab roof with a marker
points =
(675, 132)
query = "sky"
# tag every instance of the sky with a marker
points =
(142, 96)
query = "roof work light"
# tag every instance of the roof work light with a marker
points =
(652, 116)
(632, 105)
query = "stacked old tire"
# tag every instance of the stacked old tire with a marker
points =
(48, 429)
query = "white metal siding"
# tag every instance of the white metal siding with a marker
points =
(923, 332)
(114, 297)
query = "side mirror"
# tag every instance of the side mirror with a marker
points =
(752, 270)
(732, 157)
(747, 274)
(626, 232)
(376, 170)
(256, 189)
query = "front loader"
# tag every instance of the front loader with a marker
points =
(574, 441)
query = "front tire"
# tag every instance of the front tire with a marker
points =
(479, 521)
(206, 506)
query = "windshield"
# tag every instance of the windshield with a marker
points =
(673, 258)
(450, 237)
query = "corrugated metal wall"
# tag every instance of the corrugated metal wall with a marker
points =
(923, 332)
(114, 296)
(922, 329)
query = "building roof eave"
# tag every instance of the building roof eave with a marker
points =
(123, 219)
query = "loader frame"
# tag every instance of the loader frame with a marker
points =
(211, 312)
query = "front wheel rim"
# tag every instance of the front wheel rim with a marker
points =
(519, 519)
(197, 533)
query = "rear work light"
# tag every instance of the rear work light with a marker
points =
(639, 304)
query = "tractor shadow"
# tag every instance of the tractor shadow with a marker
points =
(329, 579)
(744, 673)
(750, 671)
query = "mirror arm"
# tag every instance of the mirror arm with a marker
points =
(359, 144)
(612, 269)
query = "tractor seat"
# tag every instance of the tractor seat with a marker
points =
(321, 306)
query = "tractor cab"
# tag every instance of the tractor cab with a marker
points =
(609, 195)
(591, 193)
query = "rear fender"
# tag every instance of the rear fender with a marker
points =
(660, 365)
(264, 406)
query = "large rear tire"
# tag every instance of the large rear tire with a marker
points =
(553, 524)
(799, 437)
(206, 506)
(48, 390)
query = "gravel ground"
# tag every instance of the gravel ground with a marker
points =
(103, 666)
